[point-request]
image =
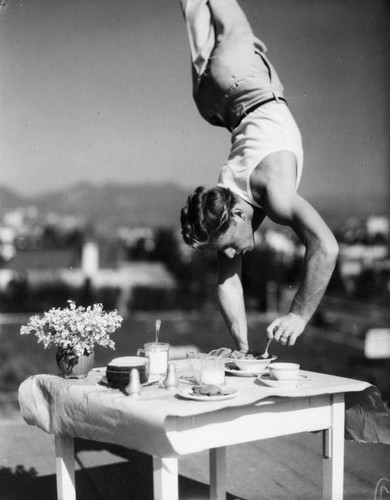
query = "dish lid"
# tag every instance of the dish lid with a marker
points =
(128, 361)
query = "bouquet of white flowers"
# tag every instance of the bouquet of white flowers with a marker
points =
(74, 330)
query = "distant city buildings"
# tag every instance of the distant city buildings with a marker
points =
(56, 251)
(364, 248)
(38, 251)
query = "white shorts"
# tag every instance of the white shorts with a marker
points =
(268, 129)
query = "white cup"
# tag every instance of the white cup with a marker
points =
(284, 371)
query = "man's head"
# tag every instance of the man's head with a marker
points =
(216, 218)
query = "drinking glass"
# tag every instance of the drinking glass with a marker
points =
(206, 368)
(157, 354)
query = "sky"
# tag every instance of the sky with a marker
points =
(97, 90)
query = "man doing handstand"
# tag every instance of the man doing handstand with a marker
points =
(235, 86)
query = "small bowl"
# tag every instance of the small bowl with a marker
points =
(253, 365)
(284, 371)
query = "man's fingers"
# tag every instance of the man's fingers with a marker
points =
(278, 332)
(281, 332)
(284, 335)
(272, 328)
(286, 329)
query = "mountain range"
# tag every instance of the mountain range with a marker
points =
(107, 206)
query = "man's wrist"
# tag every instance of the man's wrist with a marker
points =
(300, 316)
(241, 340)
(243, 346)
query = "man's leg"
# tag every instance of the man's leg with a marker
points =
(207, 20)
(235, 40)
(200, 31)
(229, 19)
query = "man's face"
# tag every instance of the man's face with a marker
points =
(237, 240)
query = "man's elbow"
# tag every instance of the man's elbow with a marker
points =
(330, 250)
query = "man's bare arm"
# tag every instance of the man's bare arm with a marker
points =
(231, 299)
(284, 206)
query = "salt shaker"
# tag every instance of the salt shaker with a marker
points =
(171, 381)
(134, 386)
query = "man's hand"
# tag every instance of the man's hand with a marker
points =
(286, 329)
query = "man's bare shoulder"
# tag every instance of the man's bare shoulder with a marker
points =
(278, 168)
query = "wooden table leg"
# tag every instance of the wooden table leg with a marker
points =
(66, 485)
(218, 473)
(333, 452)
(165, 478)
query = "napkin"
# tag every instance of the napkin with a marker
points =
(367, 419)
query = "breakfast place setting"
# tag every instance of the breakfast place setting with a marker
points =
(206, 377)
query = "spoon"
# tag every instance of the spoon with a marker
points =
(265, 354)
(158, 325)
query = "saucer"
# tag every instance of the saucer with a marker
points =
(150, 381)
(282, 384)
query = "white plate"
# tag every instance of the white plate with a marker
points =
(282, 384)
(244, 373)
(189, 394)
(99, 369)
(150, 381)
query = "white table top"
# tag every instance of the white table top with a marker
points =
(87, 409)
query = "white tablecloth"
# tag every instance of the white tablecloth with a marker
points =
(87, 409)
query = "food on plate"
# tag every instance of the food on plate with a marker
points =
(244, 355)
(209, 390)
(249, 361)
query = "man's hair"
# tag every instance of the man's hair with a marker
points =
(206, 215)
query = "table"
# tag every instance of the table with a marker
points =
(167, 427)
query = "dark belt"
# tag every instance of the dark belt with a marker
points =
(255, 106)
